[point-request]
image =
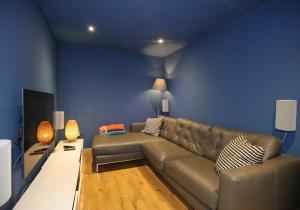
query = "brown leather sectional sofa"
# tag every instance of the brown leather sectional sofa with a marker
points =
(185, 155)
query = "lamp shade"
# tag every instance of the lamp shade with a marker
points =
(5, 175)
(58, 120)
(72, 130)
(160, 84)
(45, 132)
(286, 115)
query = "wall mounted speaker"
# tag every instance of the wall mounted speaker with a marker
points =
(165, 105)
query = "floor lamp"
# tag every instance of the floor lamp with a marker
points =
(286, 116)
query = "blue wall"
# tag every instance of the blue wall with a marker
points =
(99, 86)
(233, 76)
(28, 59)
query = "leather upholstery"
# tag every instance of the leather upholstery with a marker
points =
(168, 128)
(159, 152)
(191, 135)
(185, 154)
(273, 185)
(218, 138)
(105, 159)
(196, 175)
(137, 126)
(195, 203)
(127, 143)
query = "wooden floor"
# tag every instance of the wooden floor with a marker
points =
(134, 187)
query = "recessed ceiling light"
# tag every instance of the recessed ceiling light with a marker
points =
(91, 28)
(160, 41)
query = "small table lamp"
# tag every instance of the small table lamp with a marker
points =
(45, 132)
(72, 130)
(286, 115)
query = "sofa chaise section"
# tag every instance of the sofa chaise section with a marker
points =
(119, 148)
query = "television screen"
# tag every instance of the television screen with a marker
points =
(37, 107)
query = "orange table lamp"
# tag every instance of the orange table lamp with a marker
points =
(45, 132)
(72, 130)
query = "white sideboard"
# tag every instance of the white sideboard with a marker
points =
(5, 174)
(56, 186)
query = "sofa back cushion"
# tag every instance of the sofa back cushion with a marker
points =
(191, 135)
(218, 138)
(168, 128)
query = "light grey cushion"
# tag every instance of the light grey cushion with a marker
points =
(153, 126)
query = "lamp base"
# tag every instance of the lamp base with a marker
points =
(71, 141)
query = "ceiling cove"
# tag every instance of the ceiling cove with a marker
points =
(138, 25)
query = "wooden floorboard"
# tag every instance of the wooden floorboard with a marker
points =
(129, 186)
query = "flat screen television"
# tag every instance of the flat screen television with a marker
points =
(37, 107)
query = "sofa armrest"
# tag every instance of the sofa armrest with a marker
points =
(273, 185)
(137, 126)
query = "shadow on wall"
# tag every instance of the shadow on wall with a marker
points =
(155, 98)
(289, 139)
(171, 64)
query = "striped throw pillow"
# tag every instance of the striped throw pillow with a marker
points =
(153, 126)
(237, 153)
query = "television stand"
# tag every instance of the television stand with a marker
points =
(39, 151)
(57, 185)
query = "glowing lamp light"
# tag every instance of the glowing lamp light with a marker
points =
(91, 28)
(45, 132)
(160, 84)
(72, 130)
(160, 41)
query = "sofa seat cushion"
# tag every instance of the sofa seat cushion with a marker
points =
(168, 128)
(157, 152)
(127, 143)
(197, 175)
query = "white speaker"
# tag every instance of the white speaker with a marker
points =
(5, 168)
(286, 115)
(58, 120)
(165, 105)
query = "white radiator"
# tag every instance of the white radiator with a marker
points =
(5, 171)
